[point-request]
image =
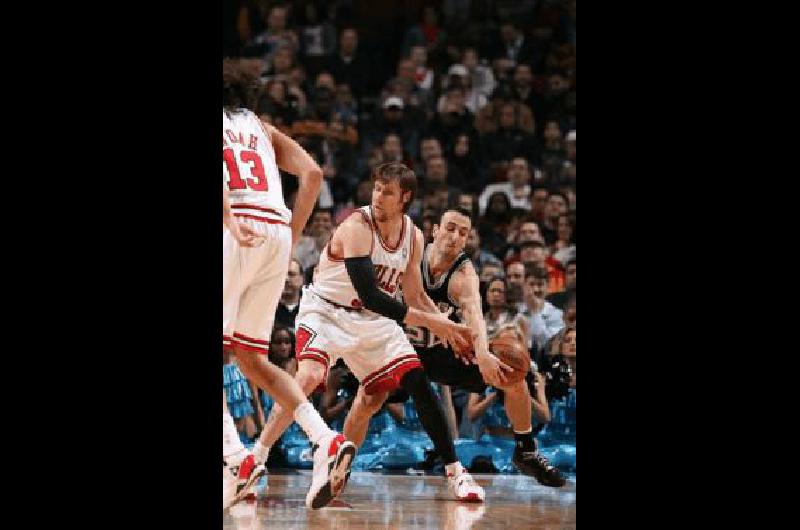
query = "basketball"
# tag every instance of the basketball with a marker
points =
(508, 346)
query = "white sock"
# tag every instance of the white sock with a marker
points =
(260, 452)
(453, 469)
(233, 451)
(311, 422)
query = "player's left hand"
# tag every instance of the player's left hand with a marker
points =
(493, 369)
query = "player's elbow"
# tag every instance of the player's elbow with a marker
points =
(313, 176)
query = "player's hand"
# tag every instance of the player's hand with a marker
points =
(493, 369)
(459, 336)
(243, 234)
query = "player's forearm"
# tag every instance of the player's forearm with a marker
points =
(307, 195)
(421, 301)
(474, 320)
(418, 318)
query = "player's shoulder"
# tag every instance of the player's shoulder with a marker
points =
(464, 274)
(357, 219)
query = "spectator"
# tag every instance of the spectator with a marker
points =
(528, 230)
(275, 35)
(534, 253)
(289, 303)
(564, 249)
(349, 65)
(481, 76)
(517, 188)
(523, 90)
(509, 140)
(513, 47)
(426, 33)
(338, 159)
(494, 224)
(498, 312)
(281, 63)
(423, 75)
(540, 319)
(556, 99)
(489, 271)
(393, 119)
(458, 75)
(478, 256)
(556, 207)
(565, 343)
(317, 36)
(392, 149)
(464, 159)
(453, 117)
(436, 172)
(539, 198)
(515, 278)
(308, 248)
(276, 106)
(553, 152)
(281, 349)
(561, 299)
(345, 107)
(429, 146)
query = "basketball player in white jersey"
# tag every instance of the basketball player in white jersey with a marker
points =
(256, 250)
(352, 311)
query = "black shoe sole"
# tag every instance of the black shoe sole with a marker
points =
(530, 471)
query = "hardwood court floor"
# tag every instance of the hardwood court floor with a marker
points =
(378, 501)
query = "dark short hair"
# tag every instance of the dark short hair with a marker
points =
(532, 271)
(458, 209)
(560, 194)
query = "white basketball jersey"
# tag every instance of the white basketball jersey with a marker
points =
(333, 283)
(249, 169)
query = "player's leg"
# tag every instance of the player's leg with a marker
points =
(518, 405)
(310, 374)
(239, 468)
(364, 407)
(401, 367)
(333, 455)
(526, 456)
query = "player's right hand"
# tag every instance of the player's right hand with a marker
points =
(459, 336)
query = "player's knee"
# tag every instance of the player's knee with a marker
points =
(246, 359)
(310, 374)
(369, 405)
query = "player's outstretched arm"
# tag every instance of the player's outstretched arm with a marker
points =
(292, 158)
(355, 237)
(465, 291)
